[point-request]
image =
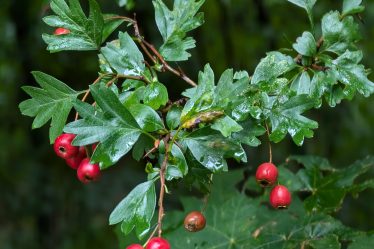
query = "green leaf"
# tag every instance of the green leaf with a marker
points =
(173, 117)
(351, 7)
(51, 102)
(306, 44)
(136, 210)
(177, 165)
(210, 149)
(328, 242)
(308, 6)
(174, 25)
(147, 118)
(142, 146)
(302, 84)
(272, 66)
(248, 135)
(328, 191)
(287, 118)
(202, 96)
(110, 25)
(85, 33)
(305, 4)
(339, 35)
(124, 56)
(113, 126)
(366, 242)
(263, 228)
(226, 126)
(353, 75)
(155, 95)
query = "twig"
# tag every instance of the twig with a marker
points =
(84, 98)
(147, 47)
(270, 150)
(162, 185)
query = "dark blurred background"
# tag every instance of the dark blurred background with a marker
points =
(43, 205)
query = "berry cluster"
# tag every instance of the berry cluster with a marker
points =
(154, 243)
(76, 158)
(266, 176)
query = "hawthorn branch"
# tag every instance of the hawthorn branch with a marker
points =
(162, 185)
(148, 48)
(270, 150)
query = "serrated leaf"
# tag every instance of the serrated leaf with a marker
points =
(236, 221)
(174, 25)
(287, 118)
(248, 135)
(339, 35)
(147, 118)
(302, 84)
(155, 95)
(226, 126)
(305, 4)
(113, 126)
(136, 210)
(351, 7)
(353, 75)
(124, 56)
(173, 117)
(207, 101)
(177, 165)
(306, 44)
(272, 66)
(86, 33)
(210, 149)
(51, 102)
(202, 96)
(308, 6)
(110, 25)
(328, 191)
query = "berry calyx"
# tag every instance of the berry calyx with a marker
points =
(135, 246)
(194, 221)
(61, 31)
(266, 174)
(76, 160)
(280, 197)
(158, 243)
(88, 172)
(63, 147)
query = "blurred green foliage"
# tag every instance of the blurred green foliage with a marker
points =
(42, 205)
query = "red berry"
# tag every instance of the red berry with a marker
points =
(61, 31)
(75, 161)
(280, 197)
(63, 147)
(135, 246)
(88, 172)
(194, 221)
(267, 174)
(158, 243)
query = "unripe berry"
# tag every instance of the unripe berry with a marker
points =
(88, 172)
(158, 243)
(76, 160)
(61, 31)
(280, 197)
(63, 147)
(266, 174)
(135, 246)
(194, 221)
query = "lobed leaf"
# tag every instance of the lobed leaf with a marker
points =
(51, 102)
